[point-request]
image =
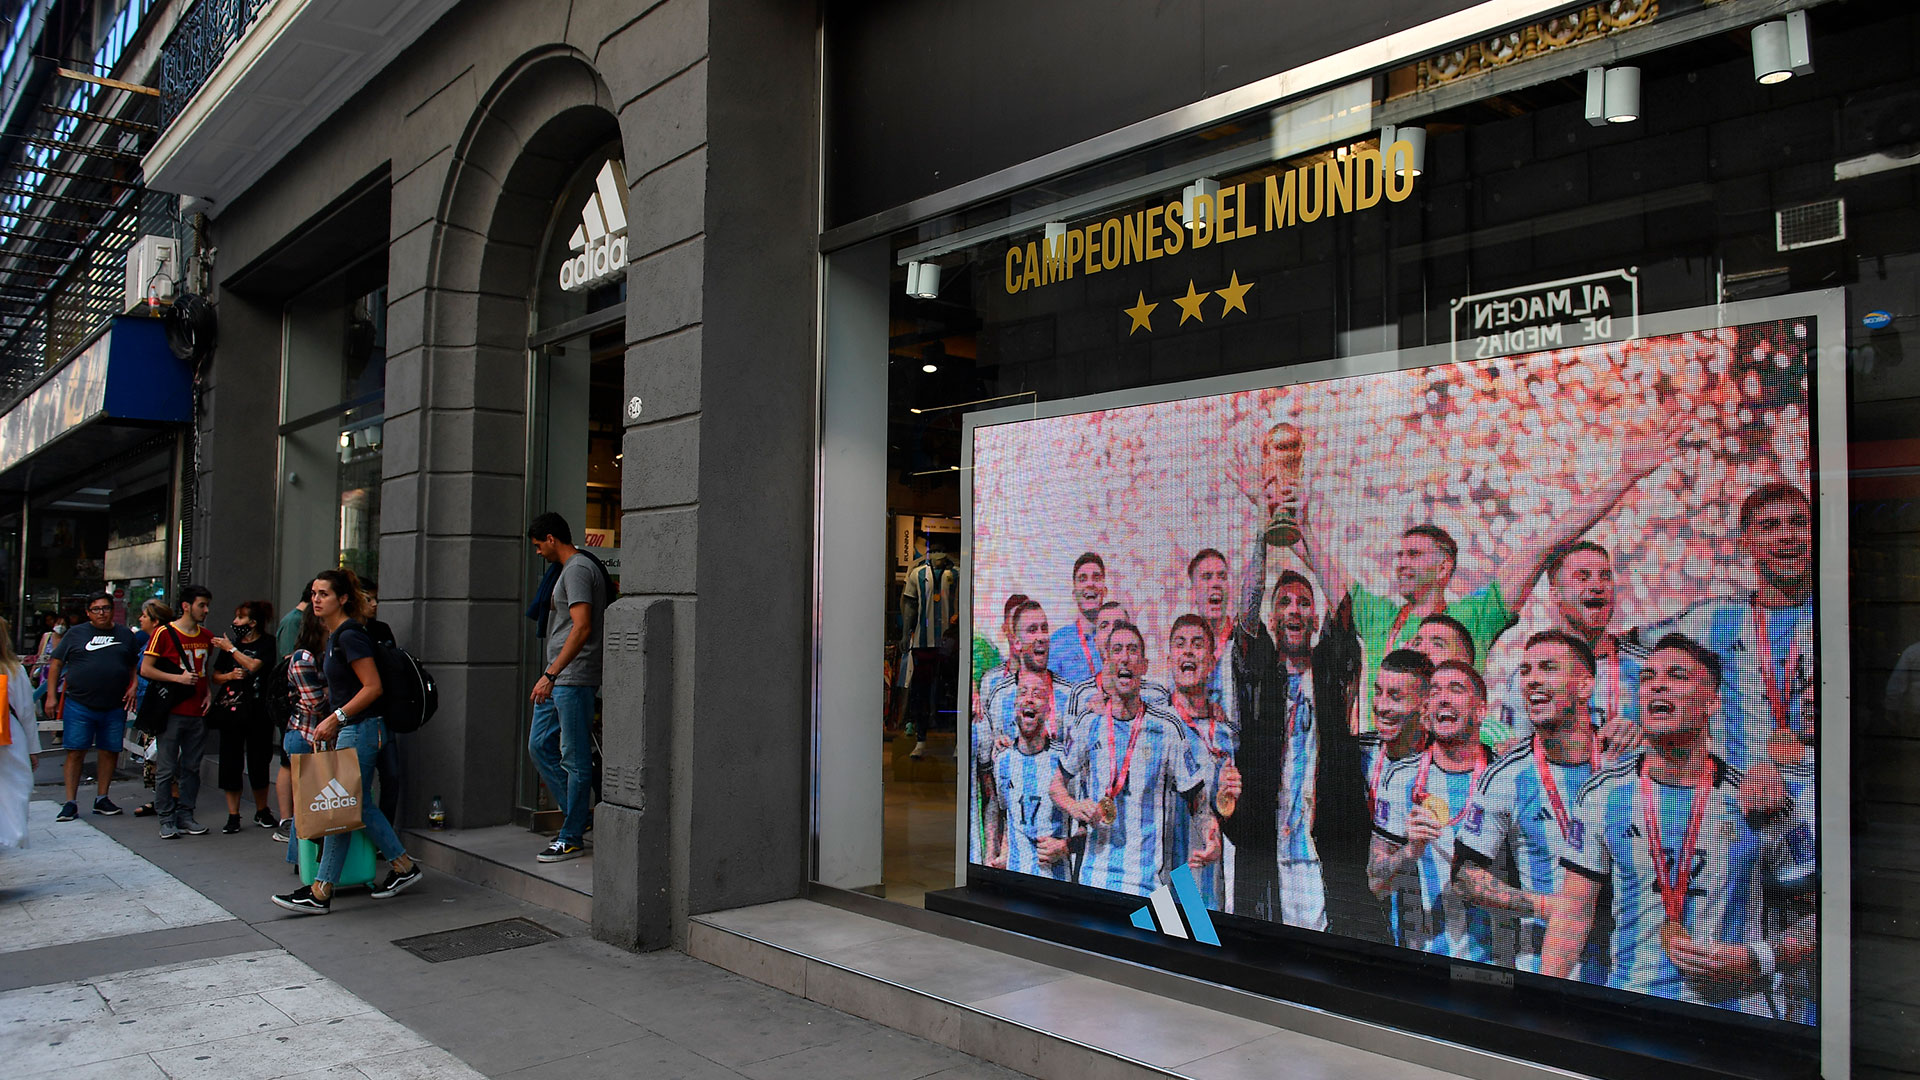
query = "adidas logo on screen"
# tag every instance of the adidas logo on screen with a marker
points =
(334, 796)
(601, 236)
(1174, 909)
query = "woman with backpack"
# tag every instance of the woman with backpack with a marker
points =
(246, 735)
(353, 696)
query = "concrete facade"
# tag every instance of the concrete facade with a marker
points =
(471, 137)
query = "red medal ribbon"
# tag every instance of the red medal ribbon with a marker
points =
(1776, 693)
(1087, 653)
(1673, 889)
(1213, 722)
(1420, 781)
(1552, 787)
(1120, 768)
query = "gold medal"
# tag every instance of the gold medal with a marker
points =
(1438, 806)
(1108, 811)
(1785, 748)
(1671, 934)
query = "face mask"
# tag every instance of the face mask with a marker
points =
(238, 631)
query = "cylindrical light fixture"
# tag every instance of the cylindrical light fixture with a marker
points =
(1623, 95)
(1055, 232)
(1781, 49)
(1415, 137)
(923, 280)
(1192, 210)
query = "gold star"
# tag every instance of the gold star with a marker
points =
(1190, 304)
(1142, 314)
(1234, 295)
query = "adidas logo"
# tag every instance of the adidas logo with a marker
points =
(601, 236)
(334, 796)
(1174, 909)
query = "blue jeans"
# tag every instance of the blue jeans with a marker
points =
(365, 739)
(84, 727)
(294, 743)
(561, 743)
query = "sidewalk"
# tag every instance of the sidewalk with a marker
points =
(128, 957)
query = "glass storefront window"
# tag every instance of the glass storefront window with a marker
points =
(332, 413)
(1240, 366)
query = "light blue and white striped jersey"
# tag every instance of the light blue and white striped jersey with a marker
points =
(1511, 827)
(1795, 882)
(1730, 629)
(1131, 855)
(1729, 869)
(1426, 911)
(1183, 823)
(1087, 694)
(996, 677)
(998, 719)
(1616, 692)
(932, 586)
(1071, 654)
(1021, 783)
(1299, 773)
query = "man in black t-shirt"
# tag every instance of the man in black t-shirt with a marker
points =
(96, 661)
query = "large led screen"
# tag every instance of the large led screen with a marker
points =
(1506, 660)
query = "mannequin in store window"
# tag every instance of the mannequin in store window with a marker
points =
(931, 647)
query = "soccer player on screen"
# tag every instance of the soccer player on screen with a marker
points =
(1427, 557)
(1091, 696)
(1416, 817)
(998, 728)
(1212, 739)
(1075, 655)
(1026, 831)
(1208, 576)
(1399, 716)
(1519, 821)
(1136, 769)
(1004, 672)
(1581, 585)
(1687, 866)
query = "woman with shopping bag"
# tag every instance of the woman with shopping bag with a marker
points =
(328, 800)
(19, 744)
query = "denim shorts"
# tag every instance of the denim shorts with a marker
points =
(86, 728)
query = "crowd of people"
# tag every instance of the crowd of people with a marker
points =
(1627, 805)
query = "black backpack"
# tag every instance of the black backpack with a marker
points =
(408, 696)
(277, 693)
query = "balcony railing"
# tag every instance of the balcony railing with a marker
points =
(199, 42)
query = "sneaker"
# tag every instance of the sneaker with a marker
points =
(68, 812)
(232, 826)
(284, 832)
(919, 749)
(302, 901)
(560, 851)
(168, 830)
(189, 826)
(104, 807)
(265, 819)
(144, 810)
(397, 882)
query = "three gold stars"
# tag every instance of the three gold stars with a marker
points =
(1233, 297)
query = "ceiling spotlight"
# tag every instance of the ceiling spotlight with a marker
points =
(923, 280)
(1613, 95)
(929, 368)
(1415, 137)
(1781, 49)
(1056, 232)
(1192, 210)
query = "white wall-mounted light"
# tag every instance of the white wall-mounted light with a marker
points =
(1613, 95)
(923, 280)
(1415, 137)
(1192, 210)
(1781, 49)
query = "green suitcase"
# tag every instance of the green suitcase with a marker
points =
(363, 862)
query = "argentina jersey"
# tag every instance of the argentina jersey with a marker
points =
(1184, 824)
(1071, 654)
(1423, 908)
(997, 720)
(1616, 692)
(1726, 880)
(1512, 829)
(1087, 696)
(1731, 630)
(1129, 854)
(1298, 769)
(931, 586)
(1792, 889)
(1021, 782)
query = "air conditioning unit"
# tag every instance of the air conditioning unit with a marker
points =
(153, 266)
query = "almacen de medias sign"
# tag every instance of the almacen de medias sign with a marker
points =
(1323, 188)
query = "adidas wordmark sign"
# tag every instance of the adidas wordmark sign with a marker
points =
(601, 236)
(334, 796)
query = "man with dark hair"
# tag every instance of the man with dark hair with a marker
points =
(97, 660)
(1687, 865)
(1212, 739)
(1444, 638)
(1075, 657)
(1427, 557)
(1581, 585)
(571, 626)
(1091, 696)
(1209, 579)
(1399, 716)
(1417, 813)
(185, 646)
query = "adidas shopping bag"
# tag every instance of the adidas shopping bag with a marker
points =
(326, 793)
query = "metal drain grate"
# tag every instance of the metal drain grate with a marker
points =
(476, 940)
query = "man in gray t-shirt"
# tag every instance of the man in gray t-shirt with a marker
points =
(569, 610)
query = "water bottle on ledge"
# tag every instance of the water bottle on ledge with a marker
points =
(437, 814)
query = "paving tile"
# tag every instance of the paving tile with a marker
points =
(649, 1056)
(945, 968)
(136, 1067)
(975, 1069)
(40, 1048)
(180, 984)
(59, 1003)
(305, 1048)
(498, 1033)
(1306, 1058)
(423, 1063)
(1129, 1022)
(736, 1023)
(806, 926)
(877, 1054)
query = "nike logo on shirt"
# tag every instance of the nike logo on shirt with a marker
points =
(101, 643)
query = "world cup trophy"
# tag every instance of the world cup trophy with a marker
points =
(1282, 456)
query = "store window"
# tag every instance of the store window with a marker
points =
(1393, 517)
(332, 413)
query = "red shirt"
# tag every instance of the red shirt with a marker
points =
(189, 651)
